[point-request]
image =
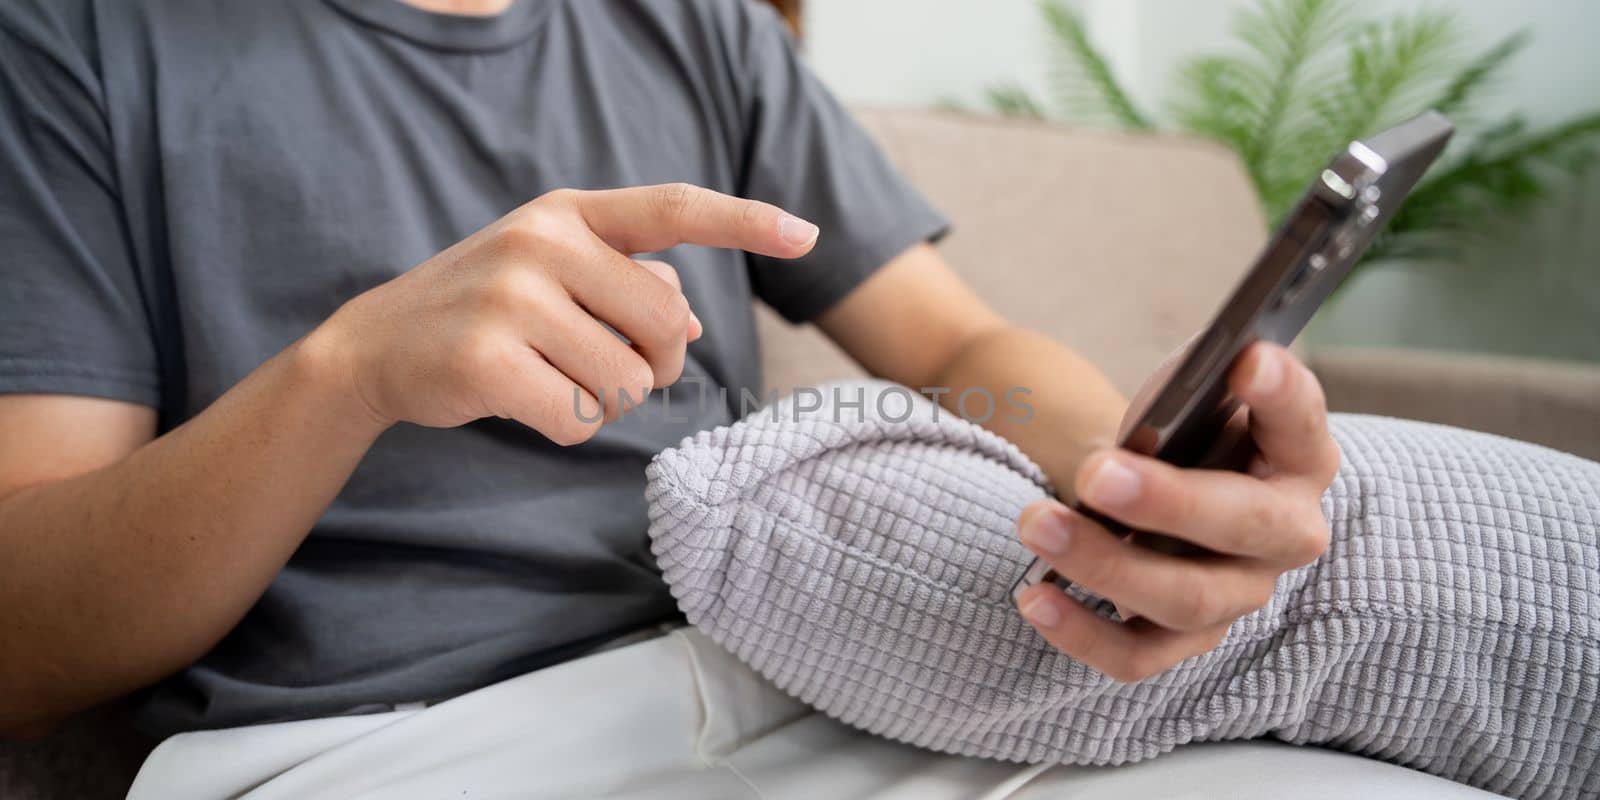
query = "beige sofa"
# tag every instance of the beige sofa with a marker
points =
(1121, 246)
(1118, 245)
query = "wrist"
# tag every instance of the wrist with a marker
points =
(321, 362)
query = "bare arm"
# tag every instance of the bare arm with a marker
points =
(125, 557)
(915, 322)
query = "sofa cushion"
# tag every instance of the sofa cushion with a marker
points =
(1119, 245)
(1553, 403)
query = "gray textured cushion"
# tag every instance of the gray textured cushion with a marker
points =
(862, 563)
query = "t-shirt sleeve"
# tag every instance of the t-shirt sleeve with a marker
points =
(804, 153)
(72, 318)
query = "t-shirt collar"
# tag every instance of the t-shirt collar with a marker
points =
(450, 31)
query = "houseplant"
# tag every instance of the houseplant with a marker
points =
(1307, 76)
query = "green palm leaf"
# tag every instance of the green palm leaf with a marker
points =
(1257, 100)
(1390, 70)
(1221, 100)
(1286, 38)
(1456, 98)
(1011, 100)
(1504, 172)
(1085, 87)
(1392, 64)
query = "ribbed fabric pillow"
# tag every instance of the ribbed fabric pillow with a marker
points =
(860, 558)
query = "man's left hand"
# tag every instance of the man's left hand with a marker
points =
(1256, 526)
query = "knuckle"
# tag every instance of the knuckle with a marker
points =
(510, 289)
(1215, 639)
(1096, 651)
(569, 430)
(1319, 404)
(1313, 388)
(625, 386)
(1314, 426)
(558, 197)
(1205, 607)
(1260, 598)
(1263, 524)
(1086, 469)
(636, 377)
(1333, 459)
(516, 236)
(752, 215)
(674, 200)
(666, 272)
(539, 228)
(569, 416)
(1316, 400)
(1313, 541)
(557, 435)
(667, 317)
(1176, 501)
(675, 312)
(668, 375)
(483, 358)
(1260, 515)
(1120, 672)
(1105, 573)
(1139, 665)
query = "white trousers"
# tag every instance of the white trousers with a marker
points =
(677, 717)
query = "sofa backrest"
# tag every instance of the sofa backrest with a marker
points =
(1119, 245)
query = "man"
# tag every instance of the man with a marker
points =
(308, 309)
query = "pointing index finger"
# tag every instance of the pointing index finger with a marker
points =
(649, 218)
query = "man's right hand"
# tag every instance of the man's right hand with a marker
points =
(125, 555)
(512, 321)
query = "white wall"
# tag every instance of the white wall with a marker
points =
(915, 53)
(1537, 293)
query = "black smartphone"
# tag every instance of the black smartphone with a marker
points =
(1183, 419)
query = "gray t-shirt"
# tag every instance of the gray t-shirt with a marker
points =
(187, 186)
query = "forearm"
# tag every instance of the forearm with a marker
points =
(112, 579)
(915, 322)
(1074, 408)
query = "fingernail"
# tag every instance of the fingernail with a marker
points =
(1269, 373)
(1048, 532)
(1112, 484)
(1042, 612)
(695, 326)
(795, 230)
